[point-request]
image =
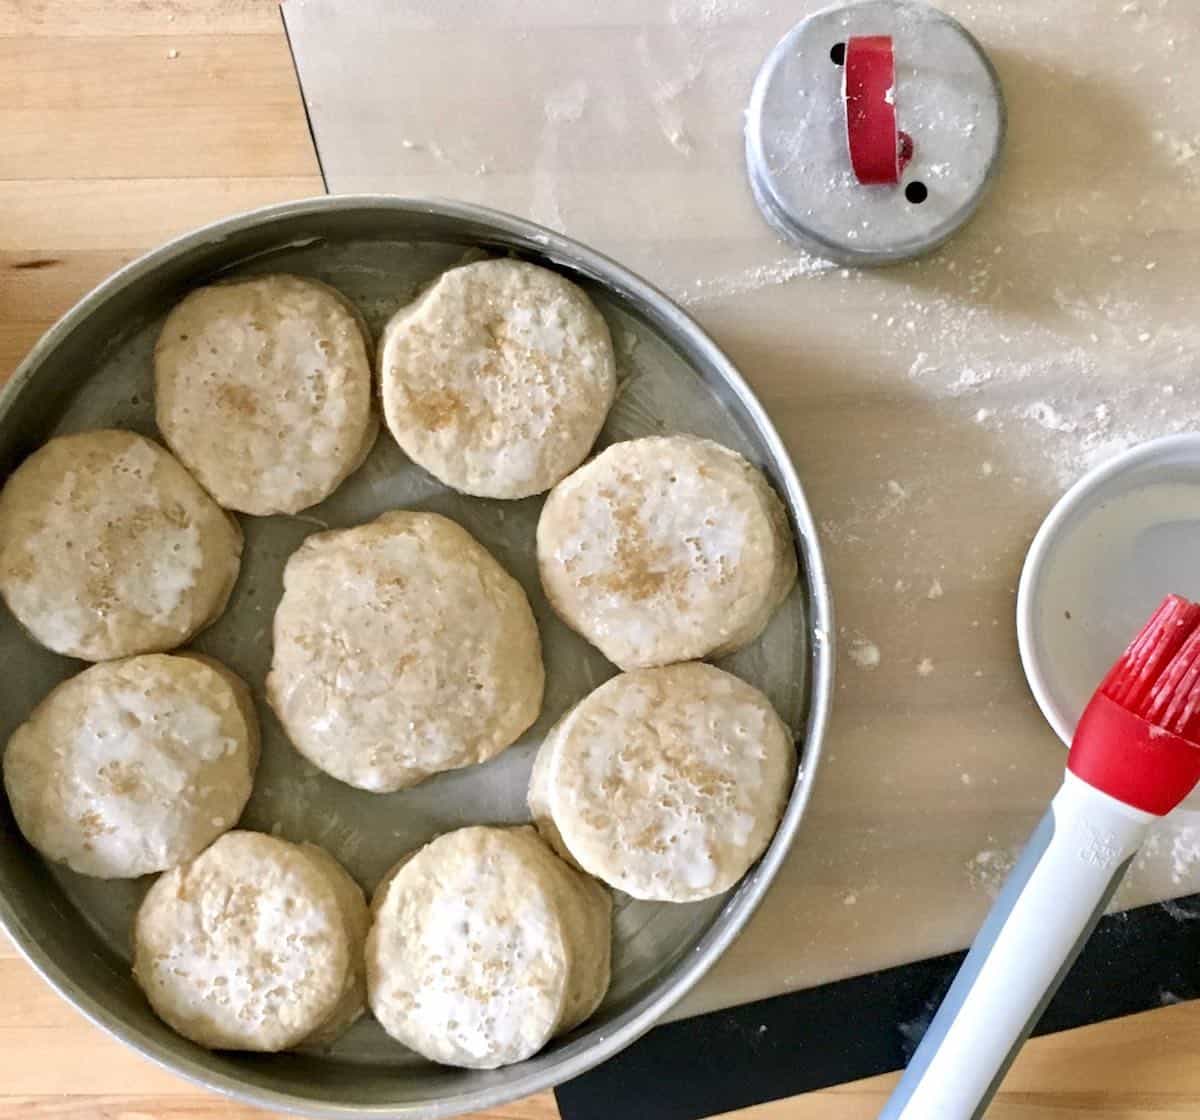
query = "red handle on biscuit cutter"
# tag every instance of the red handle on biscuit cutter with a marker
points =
(878, 150)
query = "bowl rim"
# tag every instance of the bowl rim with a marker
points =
(590, 1048)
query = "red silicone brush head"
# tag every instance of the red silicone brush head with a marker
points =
(1155, 677)
(1139, 738)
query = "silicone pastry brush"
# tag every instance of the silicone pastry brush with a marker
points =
(1134, 757)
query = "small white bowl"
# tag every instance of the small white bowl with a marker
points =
(1124, 536)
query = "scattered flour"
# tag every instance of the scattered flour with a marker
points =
(712, 288)
(1185, 853)
(968, 380)
(935, 590)
(865, 654)
(665, 94)
(1045, 414)
(1064, 388)
(990, 867)
(1172, 849)
(567, 104)
(1181, 149)
(925, 667)
(710, 13)
(563, 109)
(920, 364)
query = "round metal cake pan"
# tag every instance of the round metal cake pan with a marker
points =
(92, 369)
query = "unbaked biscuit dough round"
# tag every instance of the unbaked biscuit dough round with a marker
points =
(263, 389)
(665, 783)
(353, 906)
(402, 649)
(108, 547)
(476, 956)
(133, 766)
(246, 947)
(586, 908)
(498, 378)
(665, 549)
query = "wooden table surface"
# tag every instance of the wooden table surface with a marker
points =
(123, 123)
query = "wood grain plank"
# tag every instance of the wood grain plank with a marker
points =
(180, 143)
(17, 338)
(67, 18)
(37, 288)
(113, 214)
(129, 1107)
(30, 1003)
(137, 71)
(47, 1048)
(78, 1060)
(41, 286)
(202, 108)
(200, 1107)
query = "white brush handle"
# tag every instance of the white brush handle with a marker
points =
(1047, 909)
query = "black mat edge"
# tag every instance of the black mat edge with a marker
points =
(1136, 960)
